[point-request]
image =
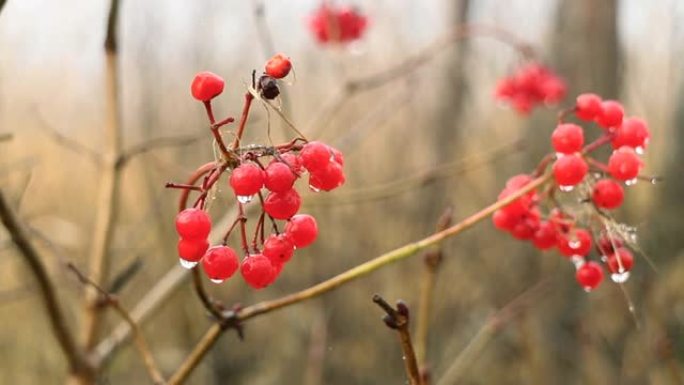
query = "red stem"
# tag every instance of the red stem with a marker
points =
(243, 120)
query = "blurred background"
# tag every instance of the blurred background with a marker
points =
(397, 140)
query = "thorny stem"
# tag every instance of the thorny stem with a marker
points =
(215, 331)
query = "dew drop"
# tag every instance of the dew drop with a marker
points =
(314, 189)
(604, 258)
(245, 198)
(217, 281)
(654, 180)
(620, 277)
(559, 155)
(566, 188)
(574, 244)
(639, 150)
(587, 289)
(187, 264)
(631, 182)
(577, 260)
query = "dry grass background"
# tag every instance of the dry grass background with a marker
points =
(51, 78)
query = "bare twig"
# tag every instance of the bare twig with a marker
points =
(2, 5)
(398, 319)
(112, 301)
(75, 357)
(69, 143)
(5, 136)
(432, 259)
(157, 143)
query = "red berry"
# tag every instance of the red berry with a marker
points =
(247, 179)
(626, 259)
(526, 227)
(293, 161)
(588, 106)
(611, 114)
(206, 85)
(220, 263)
(577, 242)
(302, 229)
(315, 156)
(608, 194)
(258, 271)
(569, 170)
(632, 133)
(523, 204)
(503, 220)
(279, 177)
(337, 155)
(589, 275)
(606, 245)
(192, 249)
(328, 178)
(278, 66)
(279, 248)
(624, 164)
(546, 236)
(282, 205)
(193, 224)
(567, 138)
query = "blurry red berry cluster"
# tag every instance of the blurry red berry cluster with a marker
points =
(601, 189)
(337, 25)
(266, 172)
(529, 86)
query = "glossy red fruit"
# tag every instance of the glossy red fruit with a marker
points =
(611, 114)
(588, 106)
(247, 179)
(546, 236)
(220, 263)
(569, 170)
(567, 138)
(328, 178)
(606, 244)
(337, 155)
(278, 66)
(632, 133)
(282, 205)
(624, 164)
(302, 229)
(279, 248)
(193, 223)
(192, 250)
(576, 242)
(626, 260)
(589, 275)
(206, 86)
(315, 156)
(608, 194)
(526, 227)
(258, 271)
(503, 220)
(293, 161)
(279, 177)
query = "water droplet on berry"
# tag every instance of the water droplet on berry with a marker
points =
(217, 281)
(620, 277)
(574, 244)
(566, 188)
(245, 198)
(314, 189)
(604, 258)
(559, 155)
(577, 260)
(587, 289)
(654, 180)
(187, 264)
(639, 150)
(631, 182)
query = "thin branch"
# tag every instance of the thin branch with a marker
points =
(157, 143)
(398, 319)
(20, 238)
(70, 143)
(112, 301)
(6, 136)
(2, 5)
(233, 318)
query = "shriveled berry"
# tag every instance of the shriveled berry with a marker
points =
(247, 179)
(546, 236)
(569, 170)
(315, 156)
(577, 242)
(328, 178)
(278, 66)
(279, 248)
(589, 275)
(192, 249)
(302, 229)
(193, 223)
(268, 87)
(588, 106)
(220, 263)
(567, 138)
(206, 86)
(608, 194)
(279, 177)
(258, 271)
(611, 114)
(282, 205)
(626, 260)
(632, 133)
(624, 164)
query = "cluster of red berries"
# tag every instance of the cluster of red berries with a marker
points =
(530, 85)
(249, 177)
(603, 190)
(337, 25)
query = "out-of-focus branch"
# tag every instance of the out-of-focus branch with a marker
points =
(157, 143)
(2, 5)
(5, 136)
(398, 319)
(432, 260)
(69, 143)
(60, 329)
(112, 301)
